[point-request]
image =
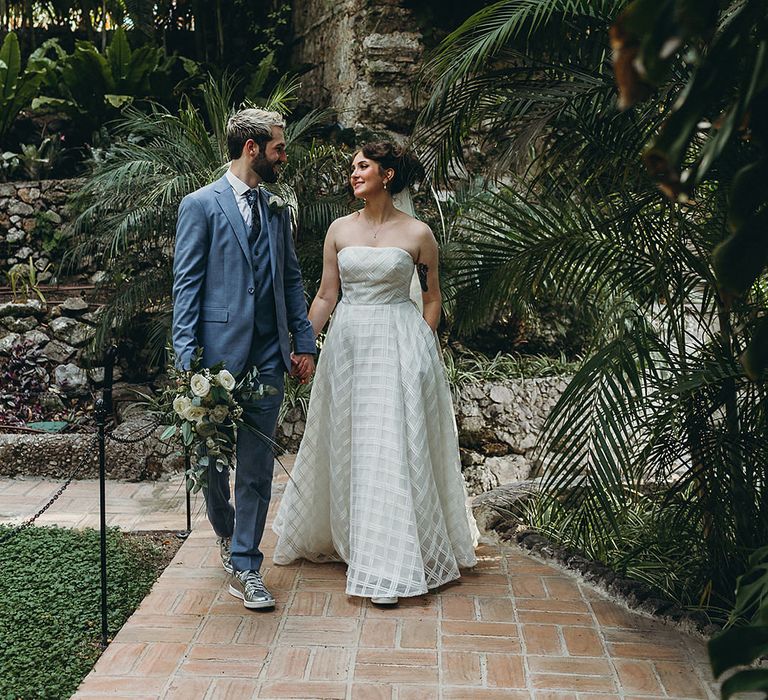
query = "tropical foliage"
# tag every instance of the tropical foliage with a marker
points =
(17, 87)
(746, 639)
(128, 204)
(93, 86)
(240, 31)
(724, 99)
(658, 438)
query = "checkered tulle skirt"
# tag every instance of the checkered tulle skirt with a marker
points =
(377, 480)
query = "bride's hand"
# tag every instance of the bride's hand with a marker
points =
(303, 367)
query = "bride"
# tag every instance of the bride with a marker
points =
(377, 480)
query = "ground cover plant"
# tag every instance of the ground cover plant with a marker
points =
(50, 624)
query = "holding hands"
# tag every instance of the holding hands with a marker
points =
(303, 367)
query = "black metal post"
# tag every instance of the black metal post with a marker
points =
(101, 417)
(109, 364)
(189, 509)
(187, 465)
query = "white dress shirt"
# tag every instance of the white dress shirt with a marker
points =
(240, 189)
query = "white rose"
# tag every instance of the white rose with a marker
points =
(200, 385)
(276, 204)
(181, 404)
(210, 443)
(219, 413)
(226, 380)
(195, 413)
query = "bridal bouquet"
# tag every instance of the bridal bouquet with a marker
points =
(203, 416)
(201, 409)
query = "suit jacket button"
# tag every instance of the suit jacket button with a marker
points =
(250, 290)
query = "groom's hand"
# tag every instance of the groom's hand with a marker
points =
(303, 367)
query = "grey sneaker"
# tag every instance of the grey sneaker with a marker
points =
(225, 549)
(250, 588)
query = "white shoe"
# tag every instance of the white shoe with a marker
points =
(384, 600)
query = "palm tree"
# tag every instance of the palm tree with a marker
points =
(653, 451)
(128, 205)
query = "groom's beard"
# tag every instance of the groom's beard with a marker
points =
(265, 170)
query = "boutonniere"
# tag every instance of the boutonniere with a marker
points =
(276, 205)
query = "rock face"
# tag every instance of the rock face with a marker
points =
(365, 55)
(71, 379)
(499, 424)
(70, 331)
(59, 336)
(31, 214)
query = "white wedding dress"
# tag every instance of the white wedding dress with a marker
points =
(377, 480)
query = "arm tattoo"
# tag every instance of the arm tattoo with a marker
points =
(422, 271)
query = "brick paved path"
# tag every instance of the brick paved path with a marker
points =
(512, 628)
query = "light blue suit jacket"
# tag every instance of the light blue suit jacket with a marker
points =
(213, 281)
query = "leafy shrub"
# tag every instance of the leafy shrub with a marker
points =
(23, 380)
(467, 367)
(746, 639)
(17, 87)
(51, 233)
(92, 85)
(50, 624)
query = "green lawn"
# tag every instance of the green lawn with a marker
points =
(50, 624)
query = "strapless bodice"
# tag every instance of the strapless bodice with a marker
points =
(375, 275)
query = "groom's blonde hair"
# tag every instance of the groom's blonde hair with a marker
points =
(253, 124)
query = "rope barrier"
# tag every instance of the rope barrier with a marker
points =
(15, 531)
(100, 438)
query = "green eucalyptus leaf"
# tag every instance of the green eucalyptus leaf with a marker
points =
(186, 433)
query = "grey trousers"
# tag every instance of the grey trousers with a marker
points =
(244, 522)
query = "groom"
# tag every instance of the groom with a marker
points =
(238, 294)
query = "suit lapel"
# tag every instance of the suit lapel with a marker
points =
(225, 197)
(271, 225)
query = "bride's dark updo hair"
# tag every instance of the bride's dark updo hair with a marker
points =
(407, 168)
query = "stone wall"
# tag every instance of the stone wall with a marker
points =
(58, 456)
(60, 332)
(498, 428)
(31, 213)
(364, 55)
